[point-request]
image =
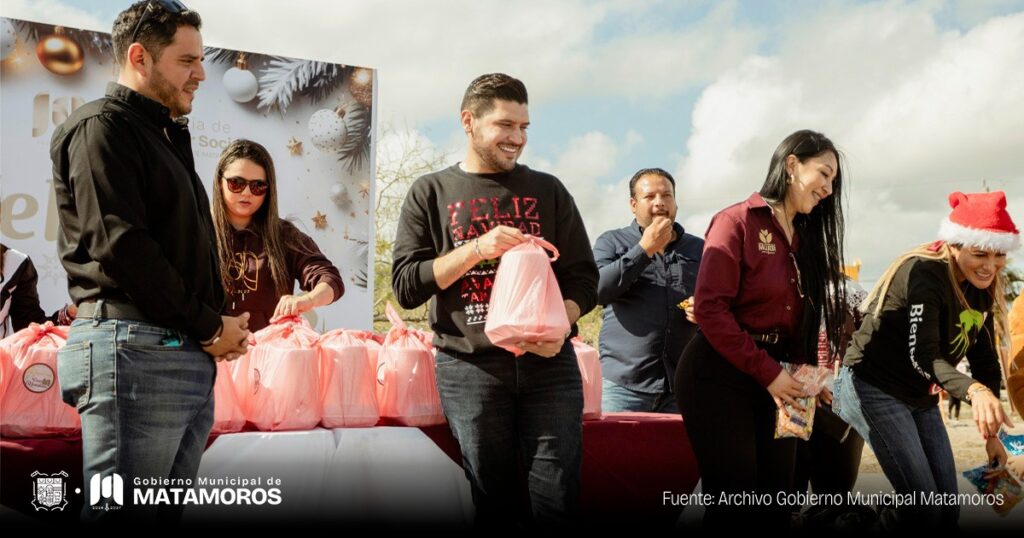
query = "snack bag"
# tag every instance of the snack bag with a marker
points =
(793, 423)
(1002, 486)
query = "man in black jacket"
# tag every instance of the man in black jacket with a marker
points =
(455, 225)
(137, 243)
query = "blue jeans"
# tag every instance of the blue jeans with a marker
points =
(911, 444)
(508, 412)
(145, 395)
(615, 398)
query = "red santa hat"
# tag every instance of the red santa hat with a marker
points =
(980, 220)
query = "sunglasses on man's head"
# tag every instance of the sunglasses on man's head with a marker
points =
(257, 187)
(174, 7)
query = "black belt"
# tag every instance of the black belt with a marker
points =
(773, 338)
(107, 309)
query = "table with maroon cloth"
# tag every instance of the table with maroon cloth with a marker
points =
(629, 460)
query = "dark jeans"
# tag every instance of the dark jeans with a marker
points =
(730, 420)
(912, 447)
(506, 412)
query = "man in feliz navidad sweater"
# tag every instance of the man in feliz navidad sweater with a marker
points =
(455, 225)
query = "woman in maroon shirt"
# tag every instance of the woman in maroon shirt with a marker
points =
(261, 256)
(771, 271)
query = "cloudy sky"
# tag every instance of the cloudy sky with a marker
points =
(924, 98)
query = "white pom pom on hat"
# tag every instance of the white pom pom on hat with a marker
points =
(980, 220)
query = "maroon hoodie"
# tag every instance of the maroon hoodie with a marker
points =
(251, 288)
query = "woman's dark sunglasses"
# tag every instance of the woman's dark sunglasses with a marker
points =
(257, 187)
(173, 7)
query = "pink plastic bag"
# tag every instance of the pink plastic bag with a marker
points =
(31, 401)
(526, 303)
(406, 387)
(348, 384)
(228, 416)
(371, 340)
(278, 380)
(590, 371)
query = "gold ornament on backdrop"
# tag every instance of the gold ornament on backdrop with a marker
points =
(59, 54)
(360, 85)
(320, 220)
(294, 146)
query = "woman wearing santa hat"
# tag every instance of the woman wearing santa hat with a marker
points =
(935, 305)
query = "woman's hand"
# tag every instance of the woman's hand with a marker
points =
(292, 305)
(988, 412)
(785, 389)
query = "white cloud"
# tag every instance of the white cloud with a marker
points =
(587, 160)
(918, 111)
(427, 52)
(55, 10)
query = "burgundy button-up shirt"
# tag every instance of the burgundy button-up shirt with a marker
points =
(748, 283)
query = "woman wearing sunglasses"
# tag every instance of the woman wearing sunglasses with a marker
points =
(771, 271)
(261, 256)
(935, 305)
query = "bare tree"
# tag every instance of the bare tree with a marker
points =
(402, 156)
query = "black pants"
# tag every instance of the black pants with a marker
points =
(730, 420)
(830, 466)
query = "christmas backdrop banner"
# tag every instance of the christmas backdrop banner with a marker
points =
(315, 118)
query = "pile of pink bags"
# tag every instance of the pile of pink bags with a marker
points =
(526, 302)
(293, 378)
(30, 399)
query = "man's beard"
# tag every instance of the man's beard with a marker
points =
(167, 94)
(491, 157)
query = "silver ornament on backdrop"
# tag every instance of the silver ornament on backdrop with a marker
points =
(239, 82)
(328, 129)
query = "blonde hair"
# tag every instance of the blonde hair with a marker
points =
(944, 253)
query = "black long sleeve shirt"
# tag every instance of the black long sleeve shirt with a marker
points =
(445, 209)
(135, 219)
(921, 335)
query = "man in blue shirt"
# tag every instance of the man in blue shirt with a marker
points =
(648, 272)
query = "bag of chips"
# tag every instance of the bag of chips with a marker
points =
(791, 422)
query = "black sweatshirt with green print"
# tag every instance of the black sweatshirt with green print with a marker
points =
(921, 335)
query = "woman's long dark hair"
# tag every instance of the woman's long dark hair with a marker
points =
(820, 257)
(265, 222)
